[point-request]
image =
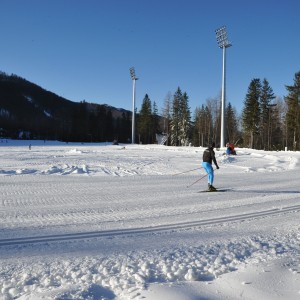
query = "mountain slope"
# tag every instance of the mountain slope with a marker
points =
(29, 111)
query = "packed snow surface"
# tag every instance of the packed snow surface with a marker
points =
(102, 221)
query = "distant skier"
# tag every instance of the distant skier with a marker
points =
(208, 158)
(230, 149)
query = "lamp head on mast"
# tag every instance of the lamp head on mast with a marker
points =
(132, 74)
(221, 35)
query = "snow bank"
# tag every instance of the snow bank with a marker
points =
(126, 276)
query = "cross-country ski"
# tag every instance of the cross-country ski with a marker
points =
(214, 191)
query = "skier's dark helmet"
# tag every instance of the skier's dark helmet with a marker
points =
(212, 145)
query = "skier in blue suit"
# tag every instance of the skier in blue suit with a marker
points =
(208, 158)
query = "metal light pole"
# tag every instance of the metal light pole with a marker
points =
(223, 43)
(134, 78)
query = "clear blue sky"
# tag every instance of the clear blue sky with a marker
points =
(83, 49)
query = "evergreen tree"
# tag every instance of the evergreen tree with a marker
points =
(185, 121)
(293, 114)
(251, 112)
(231, 124)
(180, 128)
(175, 118)
(266, 97)
(145, 123)
(276, 127)
(155, 122)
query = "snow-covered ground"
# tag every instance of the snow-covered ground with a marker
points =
(96, 221)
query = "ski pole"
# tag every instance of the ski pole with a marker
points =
(187, 171)
(197, 180)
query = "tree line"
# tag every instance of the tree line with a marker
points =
(266, 121)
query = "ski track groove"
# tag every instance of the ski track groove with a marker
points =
(50, 201)
(147, 230)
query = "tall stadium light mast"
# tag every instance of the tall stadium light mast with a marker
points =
(134, 79)
(223, 43)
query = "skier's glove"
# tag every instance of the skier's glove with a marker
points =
(218, 167)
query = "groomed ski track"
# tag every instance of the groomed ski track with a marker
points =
(43, 204)
(178, 226)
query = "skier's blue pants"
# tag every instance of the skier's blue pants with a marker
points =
(210, 171)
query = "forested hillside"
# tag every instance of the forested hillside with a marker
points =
(31, 112)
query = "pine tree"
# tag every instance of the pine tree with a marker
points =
(175, 118)
(251, 112)
(185, 121)
(180, 125)
(293, 114)
(231, 124)
(276, 130)
(145, 123)
(155, 122)
(265, 99)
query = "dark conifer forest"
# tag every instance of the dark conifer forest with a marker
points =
(28, 111)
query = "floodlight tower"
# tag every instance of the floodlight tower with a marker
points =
(134, 78)
(223, 43)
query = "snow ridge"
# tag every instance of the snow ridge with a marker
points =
(126, 276)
